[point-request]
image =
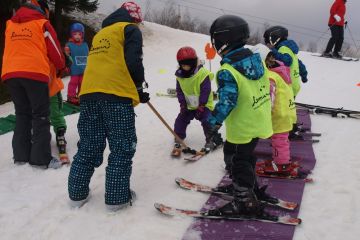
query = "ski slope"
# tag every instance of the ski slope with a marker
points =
(34, 203)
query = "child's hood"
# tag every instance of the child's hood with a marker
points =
(120, 15)
(247, 63)
(283, 71)
(290, 44)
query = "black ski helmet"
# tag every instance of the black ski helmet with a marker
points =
(275, 34)
(228, 32)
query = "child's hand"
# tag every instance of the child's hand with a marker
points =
(199, 111)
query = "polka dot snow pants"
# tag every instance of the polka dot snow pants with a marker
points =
(98, 121)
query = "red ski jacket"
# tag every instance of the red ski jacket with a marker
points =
(338, 8)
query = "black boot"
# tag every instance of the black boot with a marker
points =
(244, 204)
(61, 144)
(263, 196)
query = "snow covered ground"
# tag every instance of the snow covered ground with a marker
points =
(34, 203)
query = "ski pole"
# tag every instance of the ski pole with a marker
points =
(187, 148)
(353, 39)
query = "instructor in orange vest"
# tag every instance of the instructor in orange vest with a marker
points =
(30, 45)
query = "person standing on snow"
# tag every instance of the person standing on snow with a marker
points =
(336, 23)
(112, 86)
(78, 50)
(31, 45)
(244, 104)
(283, 112)
(286, 51)
(193, 88)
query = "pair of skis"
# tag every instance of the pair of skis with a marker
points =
(191, 155)
(346, 59)
(264, 217)
(304, 136)
(334, 112)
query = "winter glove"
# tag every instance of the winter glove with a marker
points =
(199, 111)
(214, 136)
(337, 18)
(68, 61)
(213, 131)
(346, 23)
(143, 96)
(304, 80)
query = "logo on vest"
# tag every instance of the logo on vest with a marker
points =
(101, 47)
(24, 34)
(259, 101)
(291, 104)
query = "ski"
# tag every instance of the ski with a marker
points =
(170, 211)
(159, 94)
(176, 152)
(196, 157)
(346, 59)
(310, 134)
(61, 145)
(334, 112)
(297, 175)
(64, 158)
(305, 140)
(187, 185)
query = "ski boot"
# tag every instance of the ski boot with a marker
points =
(176, 152)
(245, 204)
(61, 144)
(326, 54)
(280, 169)
(337, 55)
(263, 196)
(213, 143)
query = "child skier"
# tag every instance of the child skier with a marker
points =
(193, 88)
(111, 88)
(78, 49)
(244, 104)
(286, 51)
(283, 111)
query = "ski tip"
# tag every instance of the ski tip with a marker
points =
(290, 220)
(178, 180)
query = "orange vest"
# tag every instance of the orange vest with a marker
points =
(25, 48)
(55, 83)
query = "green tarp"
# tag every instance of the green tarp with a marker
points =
(7, 124)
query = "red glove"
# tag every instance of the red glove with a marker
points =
(199, 111)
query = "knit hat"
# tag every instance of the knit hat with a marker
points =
(134, 10)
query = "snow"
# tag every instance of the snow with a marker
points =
(34, 203)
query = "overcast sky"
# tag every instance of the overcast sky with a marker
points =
(297, 16)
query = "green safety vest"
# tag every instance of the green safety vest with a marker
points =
(191, 89)
(294, 69)
(251, 117)
(284, 110)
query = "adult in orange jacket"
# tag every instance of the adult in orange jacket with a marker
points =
(336, 23)
(30, 45)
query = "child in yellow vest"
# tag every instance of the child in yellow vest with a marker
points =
(283, 111)
(193, 88)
